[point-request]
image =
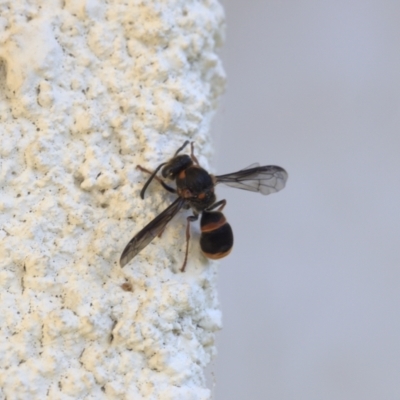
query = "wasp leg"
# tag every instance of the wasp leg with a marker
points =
(192, 156)
(221, 204)
(182, 147)
(164, 185)
(190, 219)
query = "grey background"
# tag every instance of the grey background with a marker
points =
(311, 292)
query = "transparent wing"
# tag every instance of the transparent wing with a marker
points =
(150, 231)
(266, 180)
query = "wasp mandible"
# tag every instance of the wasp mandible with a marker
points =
(195, 190)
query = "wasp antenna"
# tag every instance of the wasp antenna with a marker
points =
(149, 180)
(182, 147)
(192, 156)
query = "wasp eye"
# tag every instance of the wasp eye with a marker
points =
(166, 172)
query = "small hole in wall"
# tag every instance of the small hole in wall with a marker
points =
(3, 69)
(3, 79)
(78, 180)
(127, 287)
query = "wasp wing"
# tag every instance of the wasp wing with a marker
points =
(266, 180)
(150, 231)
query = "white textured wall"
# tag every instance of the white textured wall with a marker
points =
(89, 89)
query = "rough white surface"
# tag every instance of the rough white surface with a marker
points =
(89, 89)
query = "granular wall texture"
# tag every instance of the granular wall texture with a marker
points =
(88, 90)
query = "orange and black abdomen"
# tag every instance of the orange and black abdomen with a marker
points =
(216, 238)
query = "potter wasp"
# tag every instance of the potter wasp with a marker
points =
(195, 189)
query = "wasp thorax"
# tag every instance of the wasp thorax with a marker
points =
(196, 179)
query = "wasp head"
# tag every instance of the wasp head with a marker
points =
(176, 165)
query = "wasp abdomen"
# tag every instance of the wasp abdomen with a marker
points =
(216, 239)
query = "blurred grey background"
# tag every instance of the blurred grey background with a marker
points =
(311, 291)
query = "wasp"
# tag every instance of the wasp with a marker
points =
(195, 189)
